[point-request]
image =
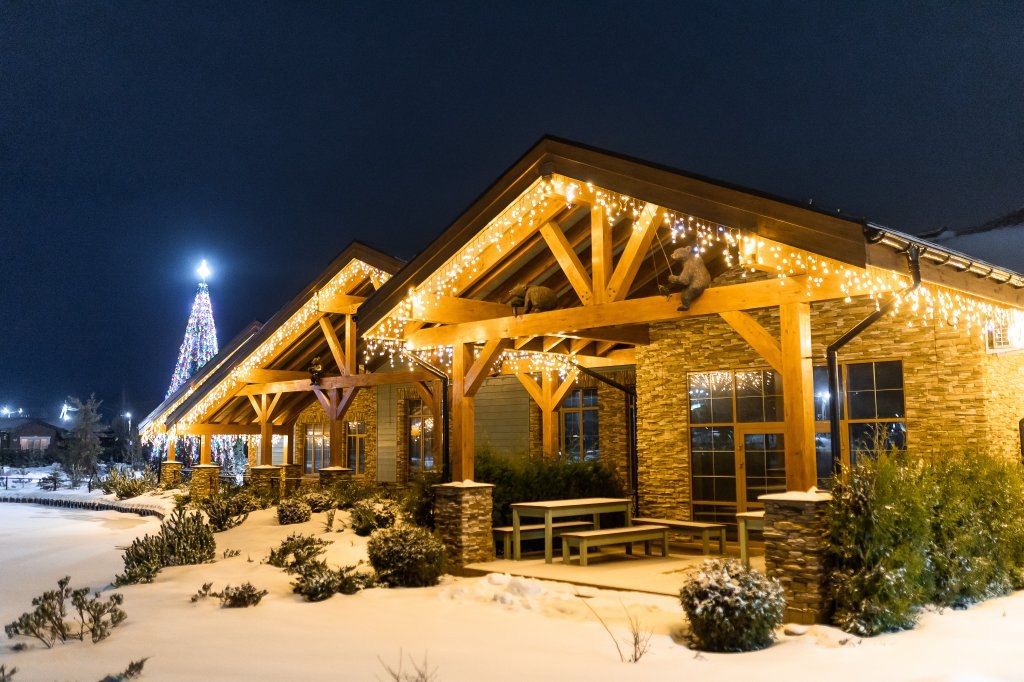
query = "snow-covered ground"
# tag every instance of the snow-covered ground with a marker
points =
(489, 628)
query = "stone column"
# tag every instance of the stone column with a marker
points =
(462, 515)
(291, 478)
(796, 539)
(329, 476)
(170, 474)
(266, 478)
(205, 481)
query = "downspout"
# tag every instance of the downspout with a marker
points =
(634, 465)
(913, 253)
(445, 430)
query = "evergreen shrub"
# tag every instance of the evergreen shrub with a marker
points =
(348, 491)
(293, 510)
(528, 479)
(49, 621)
(406, 556)
(319, 501)
(224, 512)
(296, 551)
(243, 596)
(318, 581)
(372, 513)
(419, 498)
(731, 607)
(183, 539)
(126, 485)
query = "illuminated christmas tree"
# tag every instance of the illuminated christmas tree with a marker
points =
(200, 343)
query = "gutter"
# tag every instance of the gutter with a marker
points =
(445, 430)
(913, 253)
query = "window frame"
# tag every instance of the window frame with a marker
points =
(316, 433)
(580, 409)
(355, 447)
(416, 409)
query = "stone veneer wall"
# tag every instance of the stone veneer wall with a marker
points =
(462, 516)
(363, 408)
(205, 481)
(956, 395)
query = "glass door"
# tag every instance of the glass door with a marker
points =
(761, 461)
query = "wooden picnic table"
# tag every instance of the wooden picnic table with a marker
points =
(553, 509)
(748, 521)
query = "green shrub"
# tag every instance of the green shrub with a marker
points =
(247, 500)
(296, 551)
(348, 491)
(418, 500)
(224, 512)
(319, 501)
(406, 556)
(293, 510)
(243, 596)
(731, 607)
(126, 485)
(527, 479)
(977, 546)
(372, 513)
(48, 622)
(880, 528)
(182, 540)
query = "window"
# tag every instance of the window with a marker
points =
(355, 446)
(1005, 335)
(736, 444)
(872, 413)
(421, 437)
(317, 447)
(578, 420)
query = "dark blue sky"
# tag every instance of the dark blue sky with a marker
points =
(138, 138)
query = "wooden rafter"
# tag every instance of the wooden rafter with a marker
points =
(454, 310)
(567, 259)
(261, 376)
(643, 233)
(335, 345)
(344, 304)
(482, 366)
(351, 381)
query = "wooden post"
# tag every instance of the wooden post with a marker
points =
(798, 395)
(289, 447)
(170, 449)
(206, 449)
(549, 416)
(462, 414)
(337, 440)
(266, 442)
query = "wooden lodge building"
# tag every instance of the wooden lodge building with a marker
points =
(699, 411)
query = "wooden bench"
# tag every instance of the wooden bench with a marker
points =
(692, 527)
(614, 536)
(535, 531)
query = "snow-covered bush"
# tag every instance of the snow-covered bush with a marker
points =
(406, 556)
(49, 621)
(880, 524)
(126, 485)
(246, 500)
(372, 513)
(293, 510)
(182, 540)
(241, 597)
(732, 607)
(296, 551)
(348, 491)
(318, 501)
(224, 512)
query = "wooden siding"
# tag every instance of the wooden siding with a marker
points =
(387, 434)
(503, 417)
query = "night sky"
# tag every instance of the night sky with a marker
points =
(138, 138)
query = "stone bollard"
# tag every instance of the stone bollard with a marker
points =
(291, 479)
(462, 516)
(796, 538)
(205, 481)
(170, 474)
(266, 479)
(332, 475)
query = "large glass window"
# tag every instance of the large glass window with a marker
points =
(421, 437)
(734, 454)
(578, 416)
(317, 448)
(355, 446)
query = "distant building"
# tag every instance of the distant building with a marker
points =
(29, 433)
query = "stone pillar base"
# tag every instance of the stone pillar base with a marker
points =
(291, 479)
(331, 475)
(205, 481)
(170, 474)
(796, 539)
(462, 516)
(266, 479)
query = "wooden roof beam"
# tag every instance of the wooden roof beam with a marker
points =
(567, 259)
